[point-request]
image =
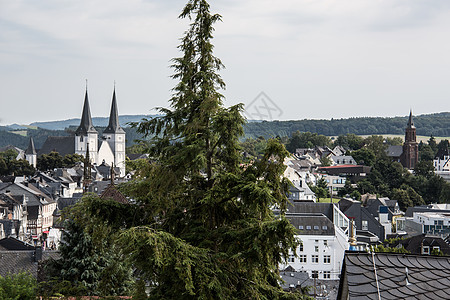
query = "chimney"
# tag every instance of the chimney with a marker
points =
(38, 254)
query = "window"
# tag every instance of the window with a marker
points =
(300, 247)
(316, 248)
(325, 242)
(327, 259)
(426, 250)
(365, 225)
(326, 274)
(316, 241)
(316, 227)
(315, 274)
(300, 227)
(308, 227)
(324, 227)
(302, 258)
(291, 258)
(315, 259)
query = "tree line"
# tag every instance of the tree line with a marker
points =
(432, 124)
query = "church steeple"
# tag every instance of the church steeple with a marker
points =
(31, 150)
(410, 121)
(410, 155)
(31, 154)
(86, 120)
(113, 126)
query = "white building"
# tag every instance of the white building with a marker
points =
(109, 148)
(436, 223)
(323, 231)
(334, 183)
(442, 167)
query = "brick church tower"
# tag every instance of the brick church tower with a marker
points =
(410, 155)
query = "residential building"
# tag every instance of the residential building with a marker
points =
(38, 206)
(421, 244)
(434, 223)
(337, 160)
(322, 230)
(442, 164)
(365, 222)
(334, 183)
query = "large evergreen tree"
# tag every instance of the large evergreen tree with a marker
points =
(203, 225)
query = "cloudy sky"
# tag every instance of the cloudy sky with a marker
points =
(311, 58)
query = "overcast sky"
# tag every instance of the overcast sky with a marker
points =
(312, 58)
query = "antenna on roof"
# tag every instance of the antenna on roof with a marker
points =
(86, 84)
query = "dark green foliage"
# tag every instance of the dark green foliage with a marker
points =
(320, 189)
(254, 147)
(364, 156)
(443, 145)
(376, 144)
(49, 161)
(432, 143)
(347, 189)
(349, 141)
(90, 264)
(434, 124)
(437, 252)
(21, 286)
(202, 226)
(381, 248)
(306, 140)
(9, 165)
(424, 168)
(325, 161)
(70, 160)
(426, 153)
(54, 160)
(139, 290)
(355, 195)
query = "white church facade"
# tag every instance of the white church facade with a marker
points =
(109, 148)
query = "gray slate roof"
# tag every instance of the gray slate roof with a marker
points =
(13, 262)
(86, 120)
(399, 276)
(114, 126)
(31, 149)
(311, 224)
(62, 144)
(394, 151)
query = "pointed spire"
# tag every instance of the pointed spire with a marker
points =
(87, 170)
(410, 121)
(114, 126)
(31, 149)
(86, 120)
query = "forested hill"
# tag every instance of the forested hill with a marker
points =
(436, 124)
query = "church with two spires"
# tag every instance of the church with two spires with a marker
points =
(109, 149)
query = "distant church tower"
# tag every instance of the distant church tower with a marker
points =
(86, 135)
(115, 136)
(410, 155)
(31, 154)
